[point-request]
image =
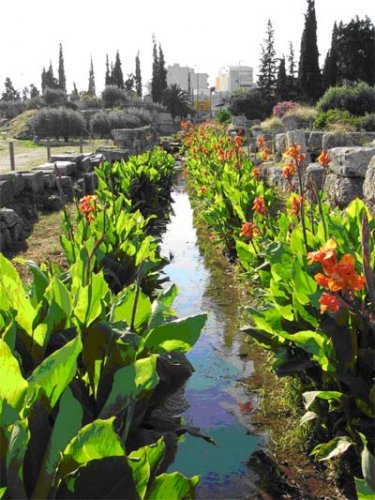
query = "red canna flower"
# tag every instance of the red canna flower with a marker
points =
(87, 206)
(343, 275)
(261, 142)
(326, 255)
(257, 173)
(329, 302)
(266, 154)
(238, 140)
(323, 158)
(294, 152)
(259, 205)
(249, 230)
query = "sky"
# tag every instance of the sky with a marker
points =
(202, 34)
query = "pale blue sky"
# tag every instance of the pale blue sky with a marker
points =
(205, 34)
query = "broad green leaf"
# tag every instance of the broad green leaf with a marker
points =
(337, 446)
(173, 485)
(363, 490)
(90, 300)
(144, 463)
(308, 416)
(131, 382)
(58, 293)
(317, 345)
(3, 491)
(94, 441)
(123, 309)
(19, 439)
(14, 296)
(179, 335)
(55, 373)
(67, 424)
(161, 307)
(310, 396)
(13, 386)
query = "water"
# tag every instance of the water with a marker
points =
(217, 398)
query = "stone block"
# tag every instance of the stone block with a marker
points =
(33, 181)
(85, 164)
(49, 179)
(5, 239)
(350, 161)
(17, 181)
(369, 182)
(342, 139)
(91, 182)
(315, 141)
(66, 167)
(342, 190)
(6, 192)
(69, 157)
(96, 160)
(296, 137)
(47, 167)
(314, 173)
(53, 202)
(289, 123)
(80, 187)
(275, 177)
(280, 142)
(65, 184)
(9, 218)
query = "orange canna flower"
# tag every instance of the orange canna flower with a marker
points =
(323, 158)
(295, 204)
(261, 142)
(343, 275)
(87, 206)
(329, 302)
(249, 230)
(259, 205)
(203, 190)
(238, 140)
(326, 255)
(289, 170)
(266, 154)
(294, 152)
(257, 173)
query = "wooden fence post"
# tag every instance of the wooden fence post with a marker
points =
(81, 145)
(11, 154)
(48, 150)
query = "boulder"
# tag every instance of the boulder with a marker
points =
(315, 141)
(66, 167)
(6, 192)
(49, 179)
(342, 190)
(289, 122)
(350, 161)
(275, 177)
(69, 157)
(280, 143)
(85, 164)
(11, 224)
(91, 182)
(314, 173)
(53, 202)
(17, 181)
(369, 182)
(66, 185)
(341, 139)
(33, 181)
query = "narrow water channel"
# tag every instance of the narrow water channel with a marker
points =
(216, 396)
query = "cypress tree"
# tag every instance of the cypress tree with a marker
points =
(155, 92)
(138, 76)
(267, 71)
(108, 80)
(281, 82)
(308, 70)
(117, 75)
(48, 79)
(91, 88)
(162, 73)
(62, 78)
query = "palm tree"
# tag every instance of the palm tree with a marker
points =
(177, 101)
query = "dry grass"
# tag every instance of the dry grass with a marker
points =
(270, 124)
(303, 113)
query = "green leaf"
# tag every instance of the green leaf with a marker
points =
(13, 386)
(123, 309)
(19, 439)
(308, 416)
(337, 446)
(179, 335)
(3, 491)
(94, 441)
(173, 486)
(363, 490)
(67, 424)
(310, 396)
(368, 467)
(317, 345)
(161, 307)
(55, 373)
(90, 298)
(131, 382)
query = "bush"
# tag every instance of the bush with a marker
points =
(89, 101)
(358, 99)
(103, 121)
(252, 105)
(223, 116)
(113, 96)
(271, 124)
(336, 119)
(283, 107)
(10, 109)
(303, 113)
(58, 123)
(55, 97)
(366, 122)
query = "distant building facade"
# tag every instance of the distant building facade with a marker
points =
(193, 83)
(231, 78)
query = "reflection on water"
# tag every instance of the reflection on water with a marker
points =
(215, 392)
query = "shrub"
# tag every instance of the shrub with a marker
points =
(143, 114)
(224, 116)
(366, 122)
(10, 109)
(271, 124)
(55, 97)
(89, 101)
(251, 104)
(335, 119)
(358, 99)
(113, 96)
(283, 107)
(303, 113)
(103, 121)
(58, 123)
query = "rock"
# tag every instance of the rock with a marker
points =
(369, 182)
(296, 137)
(11, 224)
(66, 185)
(6, 192)
(315, 141)
(33, 181)
(46, 167)
(342, 190)
(275, 176)
(96, 160)
(341, 139)
(80, 188)
(5, 239)
(85, 164)
(67, 157)
(350, 161)
(17, 181)
(91, 182)
(66, 167)
(9, 218)
(53, 203)
(49, 180)
(315, 174)
(280, 142)
(289, 122)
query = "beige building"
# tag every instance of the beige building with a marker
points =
(231, 78)
(190, 81)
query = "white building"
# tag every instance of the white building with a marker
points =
(231, 78)
(193, 83)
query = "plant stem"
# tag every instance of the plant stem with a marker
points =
(137, 291)
(302, 209)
